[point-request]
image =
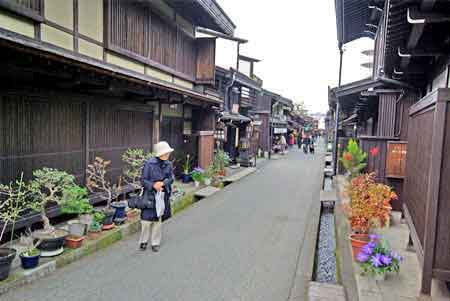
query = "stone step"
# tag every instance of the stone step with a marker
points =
(239, 175)
(206, 192)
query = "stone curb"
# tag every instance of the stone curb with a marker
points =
(343, 247)
(20, 277)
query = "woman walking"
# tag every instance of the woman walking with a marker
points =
(157, 179)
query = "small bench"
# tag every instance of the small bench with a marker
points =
(206, 192)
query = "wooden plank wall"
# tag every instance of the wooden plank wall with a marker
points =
(59, 130)
(137, 31)
(417, 168)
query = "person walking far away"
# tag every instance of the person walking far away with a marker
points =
(157, 179)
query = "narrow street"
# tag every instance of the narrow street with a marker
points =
(241, 244)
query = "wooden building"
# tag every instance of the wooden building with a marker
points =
(402, 110)
(87, 78)
(239, 92)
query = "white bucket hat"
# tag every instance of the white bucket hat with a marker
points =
(162, 148)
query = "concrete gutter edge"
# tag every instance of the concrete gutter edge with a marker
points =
(343, 247)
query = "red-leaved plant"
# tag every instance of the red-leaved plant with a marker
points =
(369, 203)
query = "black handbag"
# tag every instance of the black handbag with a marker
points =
(145, 200)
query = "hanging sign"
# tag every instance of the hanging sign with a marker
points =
(280, 130)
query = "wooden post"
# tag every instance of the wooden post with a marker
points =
(432, 197)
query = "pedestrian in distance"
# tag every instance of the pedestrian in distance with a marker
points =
(157, 179)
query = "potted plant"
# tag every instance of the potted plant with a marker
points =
(369, 208)
(47, 187)
(209, 175)
(198, 176)
(95, 228)
(353, 159)
(97, 181)
(14, 202)
(75, 201)
(376, 259)
(133, 161)
(221, 160)
(186, 176)
(29, 258)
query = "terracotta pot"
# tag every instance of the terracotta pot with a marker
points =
(94, 235)
(74, 242)
(358, 241)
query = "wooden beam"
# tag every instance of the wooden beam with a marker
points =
(403, 53)
(415, 16)
(417, 31)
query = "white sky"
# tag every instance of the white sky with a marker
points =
(296, 41)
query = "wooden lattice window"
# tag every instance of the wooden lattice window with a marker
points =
(28, 8)
(396, 159)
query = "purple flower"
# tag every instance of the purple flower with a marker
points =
(362, 257)
(386, 260)
(367, 249)
(374, 237)
(397, 256)
(376, 260)
(199, 170)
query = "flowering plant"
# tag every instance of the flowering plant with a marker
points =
(369, 203)
(187, 164)
(198, 174)
(376, 258)
(353, 159)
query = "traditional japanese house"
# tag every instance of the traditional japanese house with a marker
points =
(234, 122)
(87, 78)
(402, 111)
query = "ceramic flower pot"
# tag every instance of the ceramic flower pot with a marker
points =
(7, 255)
(51, 244)
(76, 228)
(358, 241)
(73, 242)
(186, 178)
(109, 216)
(29, 262)
(119, 213)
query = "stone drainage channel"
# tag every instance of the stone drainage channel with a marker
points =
(325, 267)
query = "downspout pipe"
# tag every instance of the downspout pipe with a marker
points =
(336, 126)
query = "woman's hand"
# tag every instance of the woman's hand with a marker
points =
(158, 186)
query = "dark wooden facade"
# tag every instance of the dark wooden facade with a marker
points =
(427, 192)
(61, 107)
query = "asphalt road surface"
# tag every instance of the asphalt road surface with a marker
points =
(241, 244)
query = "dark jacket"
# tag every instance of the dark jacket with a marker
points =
(156, 170)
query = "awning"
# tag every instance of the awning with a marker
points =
(234, 117)
(357, 87)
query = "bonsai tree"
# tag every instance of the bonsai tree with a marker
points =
(134, 160)
(48, 186)
(97, 180)
(14, 200)
(353, 159)
(75, 201)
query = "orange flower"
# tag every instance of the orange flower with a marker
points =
(347, 156)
